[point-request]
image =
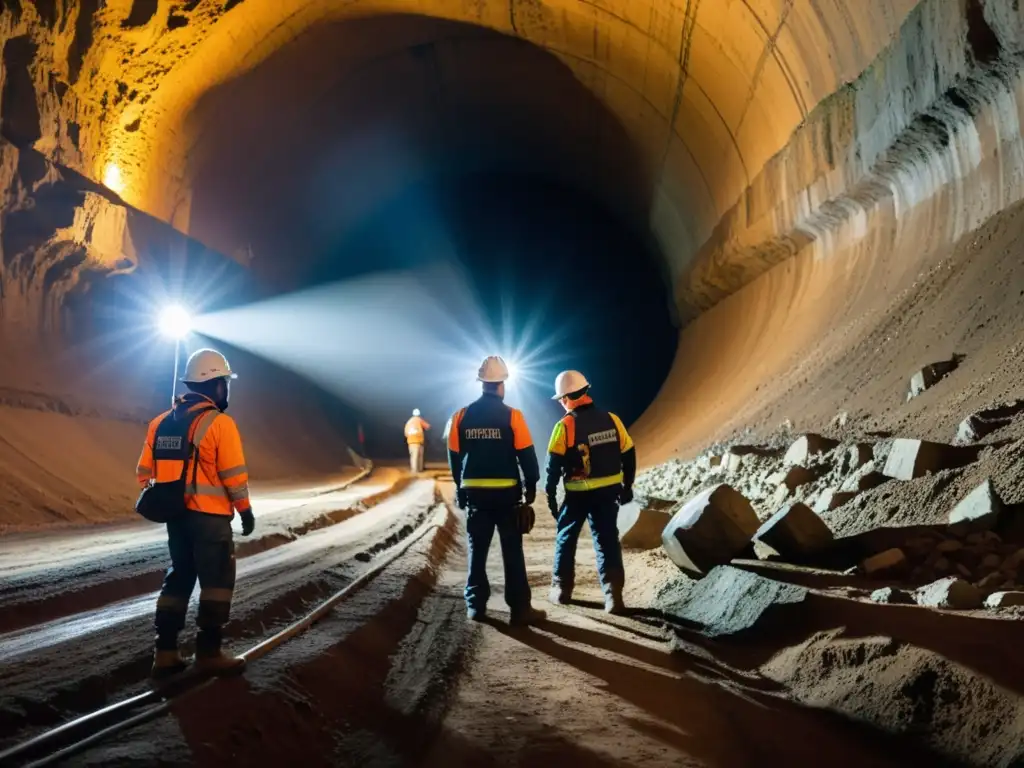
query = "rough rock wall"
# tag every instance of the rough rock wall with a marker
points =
(903, 132)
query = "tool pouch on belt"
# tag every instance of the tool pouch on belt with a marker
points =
(527, 518)
(163, 502)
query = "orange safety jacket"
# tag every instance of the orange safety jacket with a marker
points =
(414, 429)
(221, 482)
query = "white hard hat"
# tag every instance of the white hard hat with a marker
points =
(415, 411)
(568, 382)
(492, 370)
(207, 364)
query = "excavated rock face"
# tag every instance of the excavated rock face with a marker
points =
(672, 111)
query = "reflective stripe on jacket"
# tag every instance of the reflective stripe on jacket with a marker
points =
(588, 445)
(221, 482)
(414, 429)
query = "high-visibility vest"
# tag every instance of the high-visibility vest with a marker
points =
(594, 441)
(414, 429)
(217, 479)
(487, 434)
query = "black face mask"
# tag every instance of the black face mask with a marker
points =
(221, 397)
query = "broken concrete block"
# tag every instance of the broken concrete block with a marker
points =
(729, 600)
(640, 527)
(1004, 599)
(715, 461)
(795, 531)
(890, 561)
(833, 498)
(950, 592)
(780, 496)
(710, 529)
(915, 458)
(990, 582)
(732, 463)
(981, 508)
(840, 420)
(929, 376)
(970, 429)
(984, 423)
(807, 446)
(892, 595)
(864, 479)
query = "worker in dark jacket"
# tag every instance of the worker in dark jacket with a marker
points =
(591, 452)
(488, 443)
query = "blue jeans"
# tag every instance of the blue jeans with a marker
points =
(602, 512)
(480, 525)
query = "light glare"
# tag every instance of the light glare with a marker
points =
(112, 179)
(174, 322)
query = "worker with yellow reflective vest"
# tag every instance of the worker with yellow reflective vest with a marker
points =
(592, 454)
(198, 442)
(488, 443)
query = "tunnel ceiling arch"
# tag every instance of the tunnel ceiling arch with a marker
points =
(705, 92)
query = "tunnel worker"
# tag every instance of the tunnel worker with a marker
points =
(488, 443)
(200, 539)
(415, 429)
(591, 452)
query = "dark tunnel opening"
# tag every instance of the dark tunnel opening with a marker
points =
(399, 142)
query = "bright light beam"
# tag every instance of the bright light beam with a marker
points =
(174, 322)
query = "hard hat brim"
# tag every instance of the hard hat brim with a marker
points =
(183, 380)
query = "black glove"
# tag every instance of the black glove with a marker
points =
(625, 495)
(526, 518)
(531, 494)
(461, 498)
(553, 505)
(248, 522)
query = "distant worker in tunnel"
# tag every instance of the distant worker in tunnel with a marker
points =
(591, 452)
(198, 443)
(415, 435)
(488, 443)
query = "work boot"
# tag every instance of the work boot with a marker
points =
(613, 603)
(476, 614)
(560, 594)
(167, 663)
(527, 616)
(219, 663)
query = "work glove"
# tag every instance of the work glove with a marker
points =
(553, 505)
(526, 518)
(248, 522)
(531, 494)
(625, 495)
(461, 498)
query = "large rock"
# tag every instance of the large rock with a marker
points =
(864, 479)
(729, 600)
(983, 423)
(710, 529)
(1004, 599)
(807, 446)
(833, 498)
(980, 508)
(640, 525)
(915, 458)
(929, 376)
(795, 531)
(951, 592)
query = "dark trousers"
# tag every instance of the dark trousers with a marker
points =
(202, 548)
(602, 511)
(480, 525)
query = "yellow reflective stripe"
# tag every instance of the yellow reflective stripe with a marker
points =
(215, 595)
(625, 441)
(227, 474)
(592, 483)
(480, 482)
(557, 443)
(201, 489)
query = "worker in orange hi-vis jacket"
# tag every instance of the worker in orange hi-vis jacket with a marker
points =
(216, 485)
(415, 429)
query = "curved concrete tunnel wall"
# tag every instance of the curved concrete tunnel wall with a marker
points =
(798, 154)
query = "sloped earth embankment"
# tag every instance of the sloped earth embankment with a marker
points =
(51, 672)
